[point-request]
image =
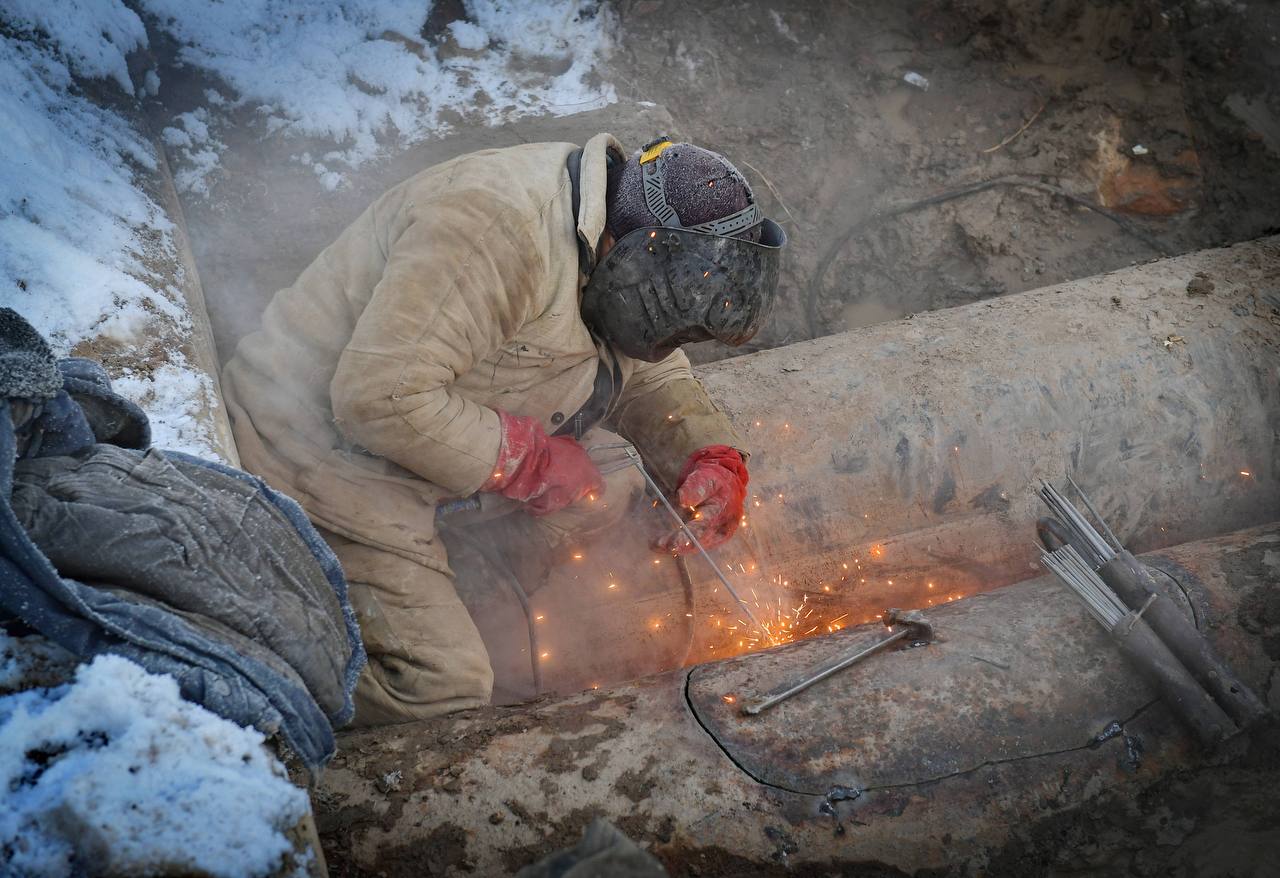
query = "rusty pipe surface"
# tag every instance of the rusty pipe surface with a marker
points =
(1019, 715)
(923, 437)
(893, 465)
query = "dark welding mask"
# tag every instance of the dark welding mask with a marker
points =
(663, 286)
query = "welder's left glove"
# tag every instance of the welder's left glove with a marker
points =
(713, 484)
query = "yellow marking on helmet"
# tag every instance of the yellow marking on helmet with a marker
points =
(654, 151)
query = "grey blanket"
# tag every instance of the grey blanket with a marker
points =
(158, 529)
(185, 566)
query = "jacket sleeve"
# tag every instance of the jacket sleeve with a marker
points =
(460, 280)
(666, 413)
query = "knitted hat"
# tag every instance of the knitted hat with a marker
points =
(700, 185)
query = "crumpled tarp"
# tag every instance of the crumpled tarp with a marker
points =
(185, 566)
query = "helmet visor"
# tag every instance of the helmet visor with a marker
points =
(659, 288)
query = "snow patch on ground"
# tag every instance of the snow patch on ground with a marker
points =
(196, 149)
(78, 235)
(171, 395)
(360, 72)
(116, 772)
(92, 37)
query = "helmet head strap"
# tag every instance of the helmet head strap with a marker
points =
(652, 160)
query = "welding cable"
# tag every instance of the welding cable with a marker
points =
(1010, 180)
(686, 582)
(513, 581)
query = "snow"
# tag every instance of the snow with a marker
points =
(78, 235)
(117, 771)
(172, 395)
(92, 37)
(468, 36)
(359, 73)
(197, 150)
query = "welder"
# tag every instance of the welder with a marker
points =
(476, 330)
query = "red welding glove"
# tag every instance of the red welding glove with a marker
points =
(713, 483)
(546, 473)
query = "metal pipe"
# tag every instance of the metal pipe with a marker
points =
(921, 436)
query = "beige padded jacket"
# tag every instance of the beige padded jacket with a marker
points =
(370, 391)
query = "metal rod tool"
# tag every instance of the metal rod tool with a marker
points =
(914, 627)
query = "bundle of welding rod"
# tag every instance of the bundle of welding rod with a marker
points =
(1145, 623)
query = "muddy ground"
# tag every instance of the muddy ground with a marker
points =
(902, 200)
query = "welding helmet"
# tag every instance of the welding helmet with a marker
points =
(664, 283)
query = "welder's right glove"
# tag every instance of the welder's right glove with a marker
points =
(546, 473)
(713, 484)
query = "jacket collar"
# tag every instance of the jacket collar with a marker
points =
(594, 183)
